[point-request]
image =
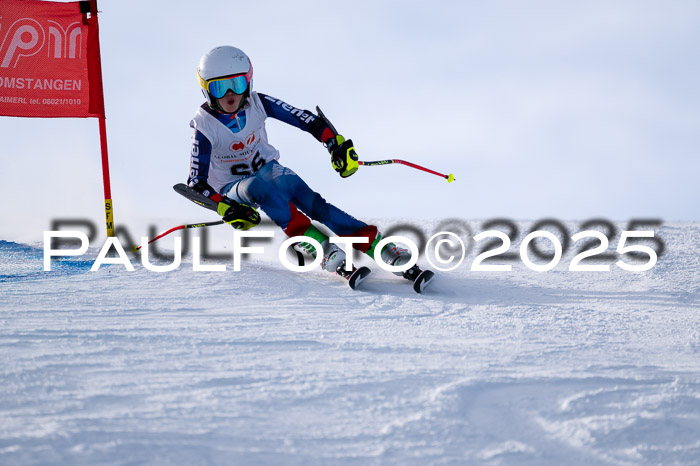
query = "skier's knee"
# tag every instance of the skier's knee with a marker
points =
(370, 232)
(297, 224)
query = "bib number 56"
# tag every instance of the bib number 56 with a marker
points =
(242, 169)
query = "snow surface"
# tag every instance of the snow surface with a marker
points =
(266, 366)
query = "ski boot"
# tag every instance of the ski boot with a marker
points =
(334, 262)
(395, 256)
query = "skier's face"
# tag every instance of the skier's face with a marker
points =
(230, 101)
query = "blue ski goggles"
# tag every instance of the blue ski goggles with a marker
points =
(218, 87)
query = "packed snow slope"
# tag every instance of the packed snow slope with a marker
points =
(267, 366)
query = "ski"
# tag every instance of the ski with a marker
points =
(354, 276)
(357, 276)
(420, 278)
(195, 197)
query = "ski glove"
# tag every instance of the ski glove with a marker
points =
(343, 155)
(239, 216)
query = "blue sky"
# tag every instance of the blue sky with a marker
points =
(541, 109)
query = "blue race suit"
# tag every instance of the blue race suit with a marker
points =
(231, 157)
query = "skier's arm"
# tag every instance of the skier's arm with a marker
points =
(239, 216)
(343, 154)
(200, 158)
(299, 118)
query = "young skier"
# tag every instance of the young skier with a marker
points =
(233, 164)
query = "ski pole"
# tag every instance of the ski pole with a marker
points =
(179, 227)
(450, 178)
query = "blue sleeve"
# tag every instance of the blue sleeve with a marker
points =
(200, 158)
(299, 118)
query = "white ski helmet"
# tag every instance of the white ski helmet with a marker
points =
(224, 68)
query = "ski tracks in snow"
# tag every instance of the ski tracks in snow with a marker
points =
(274, 367)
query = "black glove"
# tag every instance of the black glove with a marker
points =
(239, 216)
(343, 155)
